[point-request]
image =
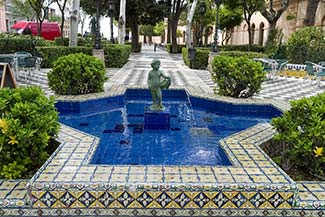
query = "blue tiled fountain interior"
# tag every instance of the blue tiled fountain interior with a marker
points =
(196, 126)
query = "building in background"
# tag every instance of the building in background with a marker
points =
(290, 21)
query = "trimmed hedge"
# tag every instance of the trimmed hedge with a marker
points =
(237, 76)
(77, 74)
(242, 54)
(116, 55)
(136, 49)
(201, 58)
(254, 48)
(28, 126)
(51, 54)
(179, 48)
(12, 45)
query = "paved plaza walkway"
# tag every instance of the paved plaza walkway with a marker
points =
(135, 72)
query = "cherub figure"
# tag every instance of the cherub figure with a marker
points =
(155, 84)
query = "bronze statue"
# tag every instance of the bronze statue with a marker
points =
(155, 84)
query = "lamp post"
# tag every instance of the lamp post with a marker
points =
(97, 40)
(110, 12)
(202, 10)
(215, 41)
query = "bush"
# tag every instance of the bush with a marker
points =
(116, 55)
(237, 76)
(51, 54)
(254, 48)
(307, 44)
(11, 43)
(77, 74)
(242, 54)
(300, 139)
(57, 41)
(179, 48)
(201, 58)
(28, 124)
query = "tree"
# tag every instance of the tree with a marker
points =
(62, 9)
(40, 8)
(146, 30)
(309, 19)
(23, 8)
(250, 7)
(190, 15)
(159, 30)
(272, 17)
(73, 39)
(121, 22)
(229, 17)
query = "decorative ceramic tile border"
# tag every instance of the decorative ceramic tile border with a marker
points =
(160, 212)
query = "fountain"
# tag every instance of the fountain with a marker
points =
(158, 118)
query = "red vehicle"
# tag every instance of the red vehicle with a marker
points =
(50, 31)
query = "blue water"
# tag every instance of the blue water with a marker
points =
(193, 138)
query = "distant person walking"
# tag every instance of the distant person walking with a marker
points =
(155, 47)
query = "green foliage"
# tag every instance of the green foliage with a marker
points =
(22, 7)
(242, 54)
(230, 17)
(307, 44)
(159, 29)
(116, 55)
(77, 74)
(27, 123)
(254, 48)
(237, 76)
(57, 42)
(179, 48)
(201, 58)
(301, 131)
(52, 53)
(11, 43)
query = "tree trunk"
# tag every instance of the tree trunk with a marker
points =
(168, 32)
(249, 36)
(74, 23)
(144, 39)
(135, 34)
(62, 28)
(190, 15)
(174, 35)
(272, 33)
(309, 19)
(121, 23)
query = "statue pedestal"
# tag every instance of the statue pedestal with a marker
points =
(99, 53)
(157, 120)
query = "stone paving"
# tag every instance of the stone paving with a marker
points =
(311, 194)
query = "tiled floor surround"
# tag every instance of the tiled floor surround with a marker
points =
(253, 186)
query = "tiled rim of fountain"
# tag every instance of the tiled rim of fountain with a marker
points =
(253, 182)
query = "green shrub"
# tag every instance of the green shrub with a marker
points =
(28, 124)
(307, 44)
(179, 48)
(300, 134)
(254, 48)
(242, 54)
(201, 58)
(57, 41)
(77, 74)
(116, 55)
(10, 43)
(237, 76)
(52, 53)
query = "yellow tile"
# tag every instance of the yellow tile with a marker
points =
(154, 178)
(320, 195)
(272, 171)
(243, 157)
(69, 169)
(248, 163)
(118, 178)
(238, 171)
(254, 171)
(64, 177)
(224, 178)
(187, 170)
(190, 178)
(138, 169)
(104, 169)
(120, 169)
(277, 178)
(17, 194)
(172, 178)
(203, 169)
(100, 177)
(73, 162)
(136, 178)
(264, 164)
(242, 178)
(220, 170)
(154, 169)
(87, 169)
(82, 177)
(46, 177)
(313, 187)
(207, 178)
(3, 194)
(8, 185)
(259, 178)
(171, 169)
